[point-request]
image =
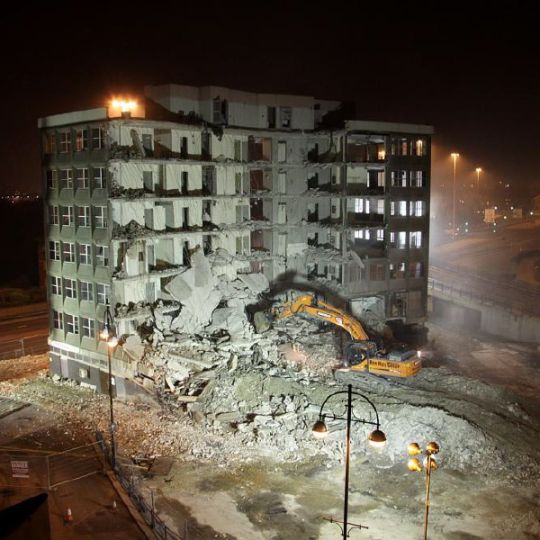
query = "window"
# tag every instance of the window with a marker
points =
(392, 208)
(419, 178)
(285, 116)
(81, 176)
(72, 323)
(416, 270)
(220, 111)
(57, 320)
(97, 138)
(52, 179)
(420, 147)
(81, 140)
(70, 288)
(66, 179)
(358, 234)
(380, 235)
(85, 255)
(397, 270)
(361, 206)
(402, 240)
(87, 291)
(380, 178)
(84, 373)
(415, 239)
(148, 180)
(376, 272)
(99, 177)
(50, 143)
(87, 328)
(102, 256)
(68, 252)
(67, 215)
(83, 216)
(392, 239)
(56, 285)
(102, 293)
(417, 208)
(238, 183)
(100, 217)
(402, 208)
(380, 206)
(54, 251)
(65, 142)
(282, 151)
(54, 217)
(403, 147)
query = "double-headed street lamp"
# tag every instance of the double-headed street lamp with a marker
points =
(429, 464)
(376, 438)
(108, 334)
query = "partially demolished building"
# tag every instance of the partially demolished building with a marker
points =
(134, 191)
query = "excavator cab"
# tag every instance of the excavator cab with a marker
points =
(356, 352)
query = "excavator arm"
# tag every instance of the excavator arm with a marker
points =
(320, 309)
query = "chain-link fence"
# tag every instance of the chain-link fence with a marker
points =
(130, 479)
(24, 469)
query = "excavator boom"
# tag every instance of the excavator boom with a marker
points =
(319, 309)
(362, 354)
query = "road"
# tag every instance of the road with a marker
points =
(29, 330)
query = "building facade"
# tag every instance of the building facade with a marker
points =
(131, 193)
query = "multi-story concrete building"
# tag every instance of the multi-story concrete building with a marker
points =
(130, 193)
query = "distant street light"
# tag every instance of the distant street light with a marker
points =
(478, 171)
(429, 464)
(376, 438)
(108, 335)
(455, 156)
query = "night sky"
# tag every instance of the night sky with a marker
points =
(476, 78)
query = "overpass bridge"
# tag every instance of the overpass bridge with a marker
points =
(496, 305)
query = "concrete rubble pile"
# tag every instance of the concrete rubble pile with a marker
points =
(249, 394)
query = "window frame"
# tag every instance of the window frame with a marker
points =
(70, 252)
(65, 142)
(87, 327)
(83, 220)
(55, 285)
(55, 250)
(86, 291)
(102, 255)
(100, 217)
(86, 252)
(71, 324)
(70, 288)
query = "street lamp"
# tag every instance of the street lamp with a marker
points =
(428, 464)
(376, 438)
(454, 157)
(478, 171)
(108, 335)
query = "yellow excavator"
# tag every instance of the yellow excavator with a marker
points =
(362, 353)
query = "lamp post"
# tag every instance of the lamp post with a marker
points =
(478, 171)
(108, 335)
(376, 438)
(455, 156)
(429, 464)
